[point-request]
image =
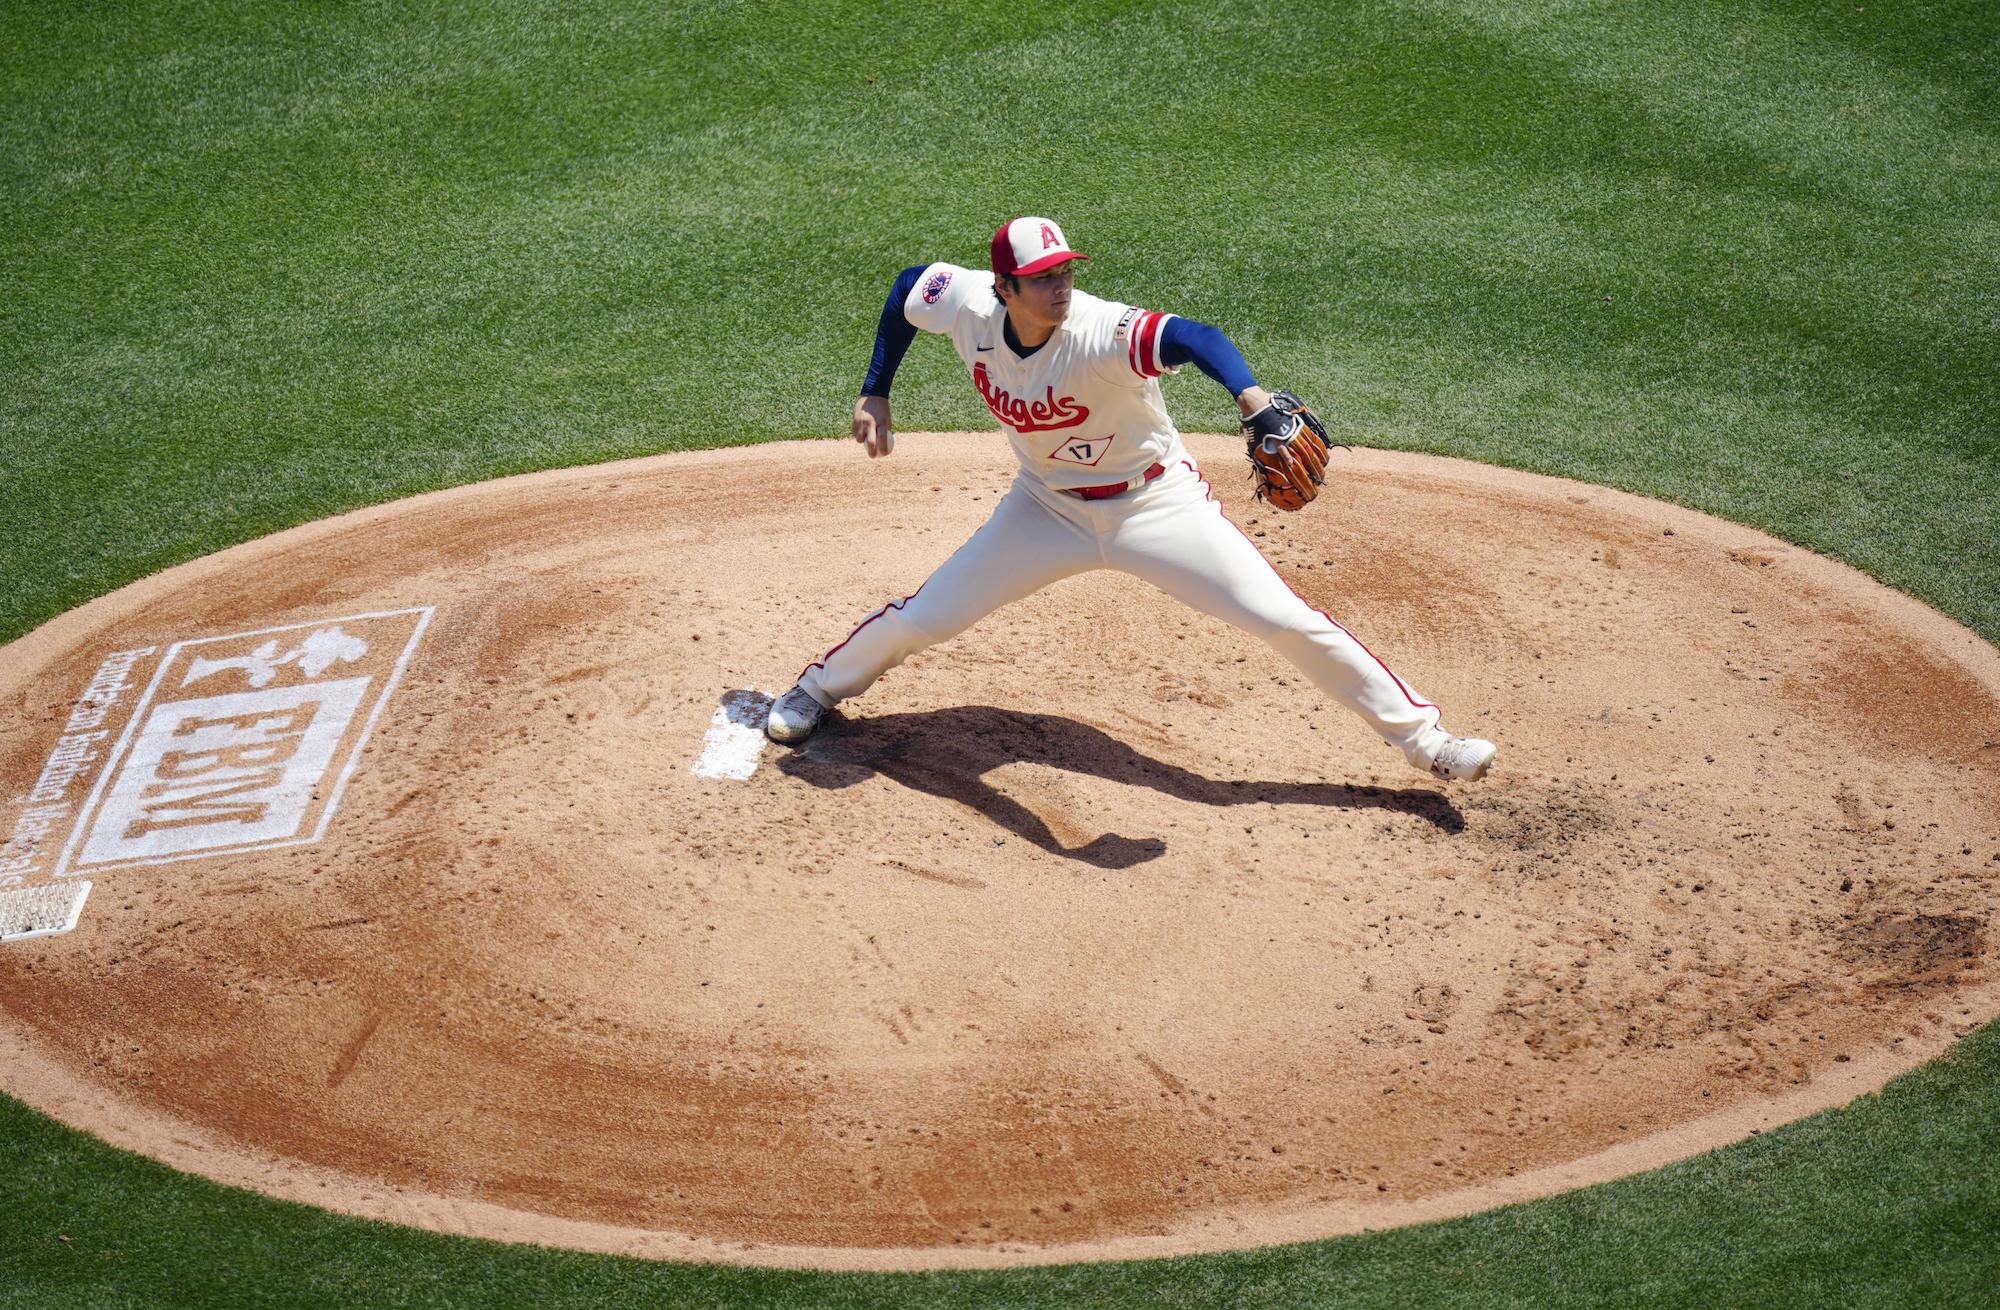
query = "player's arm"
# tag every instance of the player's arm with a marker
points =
(1188, 341)
(893, 334)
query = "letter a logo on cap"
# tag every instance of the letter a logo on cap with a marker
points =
(1017, 253)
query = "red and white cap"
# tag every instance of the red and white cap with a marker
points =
(1026, 246)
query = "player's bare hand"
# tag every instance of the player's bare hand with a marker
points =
(871, 425)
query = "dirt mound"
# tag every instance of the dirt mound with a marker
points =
(423, 889)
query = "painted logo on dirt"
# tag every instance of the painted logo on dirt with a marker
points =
(41, 815)
(240, 742)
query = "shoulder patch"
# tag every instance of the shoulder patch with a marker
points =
(1125, 321)
(935, 287)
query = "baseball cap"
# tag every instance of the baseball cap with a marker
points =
(1026, 246)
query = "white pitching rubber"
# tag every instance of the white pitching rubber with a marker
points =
(43, 911)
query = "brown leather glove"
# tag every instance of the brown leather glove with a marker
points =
(1288, 450)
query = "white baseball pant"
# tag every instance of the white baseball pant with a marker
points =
(1171, 533)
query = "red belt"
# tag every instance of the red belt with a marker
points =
(1110, 489)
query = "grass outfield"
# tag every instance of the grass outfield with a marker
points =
(266, 263)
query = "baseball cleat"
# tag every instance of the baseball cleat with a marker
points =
(793, 717)
(1464, 759)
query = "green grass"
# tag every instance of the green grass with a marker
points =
(266, 263)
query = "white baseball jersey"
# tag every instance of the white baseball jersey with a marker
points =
(1085, 408)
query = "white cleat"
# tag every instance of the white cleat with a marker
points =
(1464, 759)
(794, 715)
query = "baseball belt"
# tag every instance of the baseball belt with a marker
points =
(1110, 489)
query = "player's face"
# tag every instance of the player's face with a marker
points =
(1042, 300)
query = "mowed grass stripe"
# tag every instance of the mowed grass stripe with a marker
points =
(269, 263)
(405, 255)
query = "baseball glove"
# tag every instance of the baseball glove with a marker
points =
(1288, 450)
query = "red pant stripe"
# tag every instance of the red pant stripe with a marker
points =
(820, 663)
(1400, 685)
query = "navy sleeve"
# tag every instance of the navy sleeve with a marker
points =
(1184, 340)
(893, 334)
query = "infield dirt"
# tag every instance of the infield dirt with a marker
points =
(1094, 932)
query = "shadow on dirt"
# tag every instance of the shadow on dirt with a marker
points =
(948, 752)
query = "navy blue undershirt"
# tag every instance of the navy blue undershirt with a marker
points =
(1187, 340)
(1014, 342)
(1182, 341)
(893, 334)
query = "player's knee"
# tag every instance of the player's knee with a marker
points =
(926, 625)
(1277, 620)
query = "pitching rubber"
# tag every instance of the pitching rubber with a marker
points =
(42, 911)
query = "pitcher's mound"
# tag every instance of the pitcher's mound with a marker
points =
(440, 873)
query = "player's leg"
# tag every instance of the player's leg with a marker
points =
(1024, 547)
(1180, 541)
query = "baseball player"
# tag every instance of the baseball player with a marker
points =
(1104, 482)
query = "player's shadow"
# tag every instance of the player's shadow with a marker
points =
(948, 753)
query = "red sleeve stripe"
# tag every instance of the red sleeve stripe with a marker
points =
(1144, 350)
(1149, 348)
